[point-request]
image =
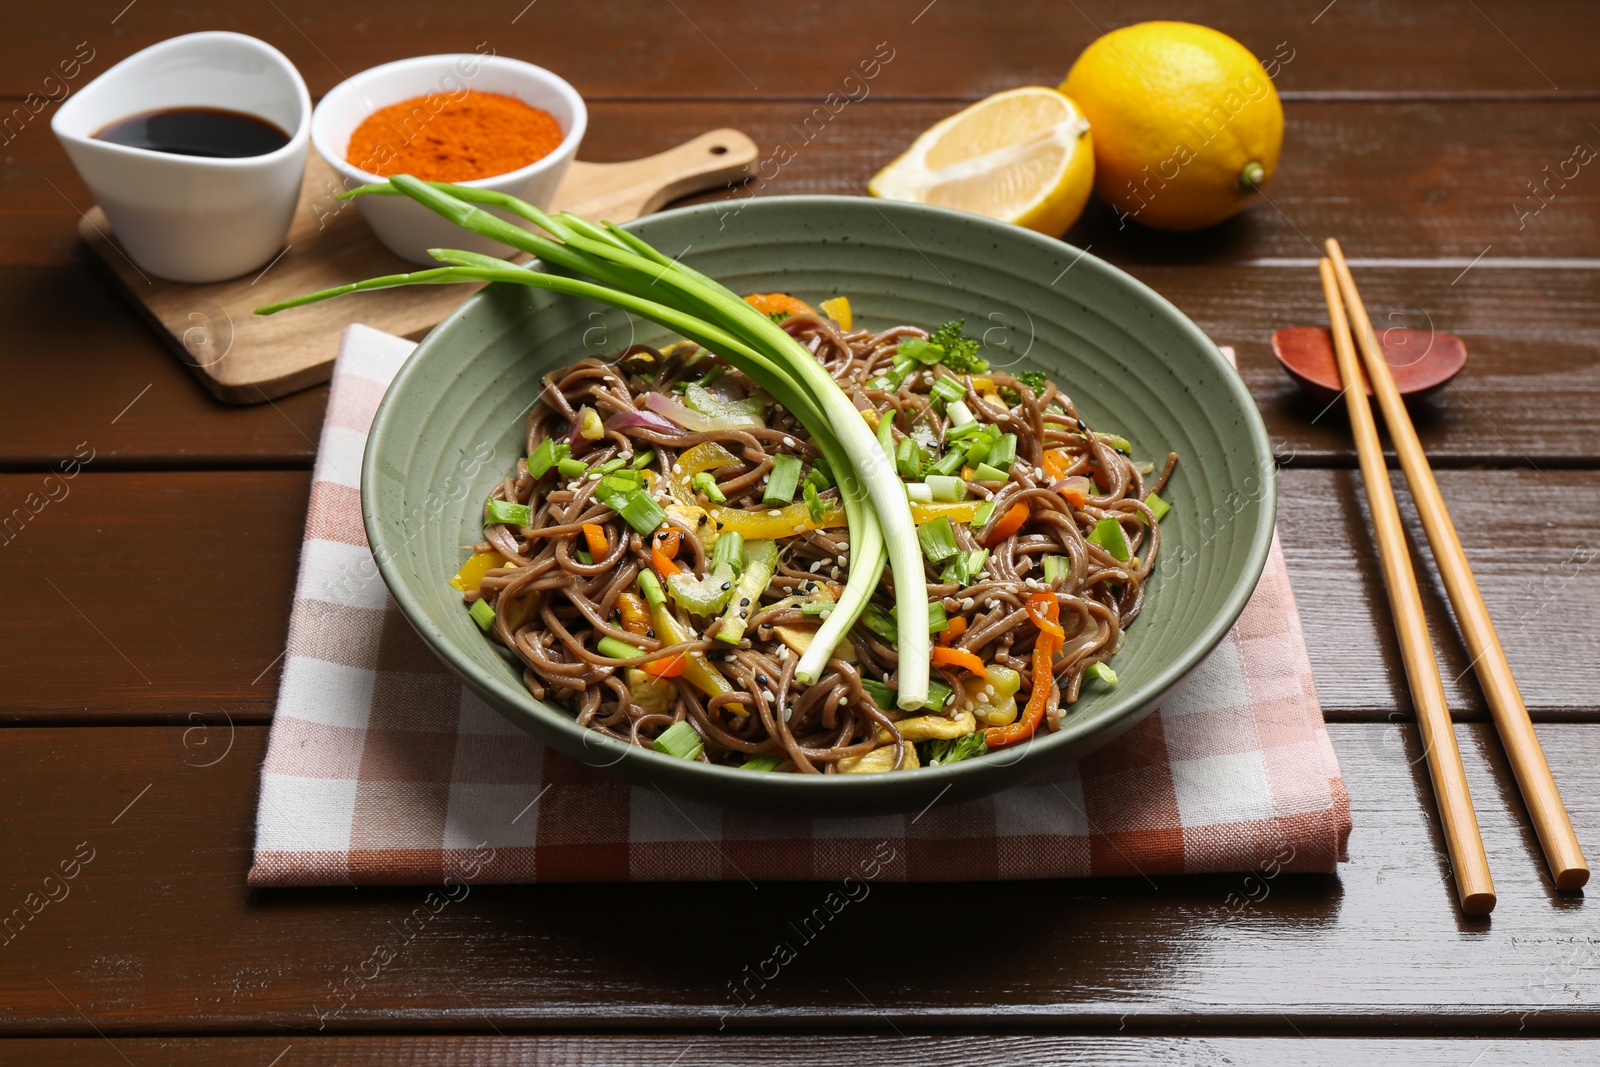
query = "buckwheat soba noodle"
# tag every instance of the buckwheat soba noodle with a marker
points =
(664, 554)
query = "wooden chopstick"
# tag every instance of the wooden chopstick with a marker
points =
(1465, 844)
(1550, 820)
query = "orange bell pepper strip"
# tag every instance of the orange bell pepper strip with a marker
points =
(1054, 462)
(670, 667)
(663, 550)
(954, 628)
(1009, 524)
(1046, 613)
(945, 656)
(771, 303)
(596, 536)
(635, 616)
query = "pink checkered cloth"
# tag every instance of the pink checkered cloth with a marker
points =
(382, 769)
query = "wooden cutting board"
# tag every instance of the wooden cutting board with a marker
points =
(243, 358)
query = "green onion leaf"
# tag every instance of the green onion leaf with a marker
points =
(705, 483)
(948, 464)
(482, 613)
(610, 465)
(908, 458)
(617, 649)
(938, 694)
(503, 511)
(938, 539)
(679, 740)
(782, 481)
(764, 761)
(986, 473)
(582, 556)
(813, 502)
(880, 694)
(1004, 451)
(981, 519)
(820, 476)
(641, 460)
(1107, 533)
(1157, 506)
(964, 569)
(885, 432)
(875, 619)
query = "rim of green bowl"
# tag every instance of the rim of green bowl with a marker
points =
(797, 790)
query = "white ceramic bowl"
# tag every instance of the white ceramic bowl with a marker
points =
(408, 228)
(193, 218)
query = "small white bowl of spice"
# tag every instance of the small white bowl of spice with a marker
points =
(478, 120)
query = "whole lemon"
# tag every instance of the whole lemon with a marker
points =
(1187, 125)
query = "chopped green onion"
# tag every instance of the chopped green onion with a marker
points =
(640, 511)
(919, 492)
(960, 414)
(1101, 672)
(582, 556)
(572, 468)
(813, 502)
(482, 613)
(705, 483)
(985, 440)
(908, 458)
(817, 607)
(1118, 442)
(1056, 567)
(921, 350)
(936, 617)
(1107, 533)
(650, 587)
(948, 389)
(610, 465)
(1157, 506)
(617, 649)
(875, 619)
(504, 511)
(956, 434)
(879, 693)
(546, 456)
(938, 539)
(618, 482)
(818, 479)
(729, 549)
(1004, 451)
(948, 464)
(981, 519)
(986, 473)
(885, 432)
(946, 488)
(641, 460)
(963, 569)
(764, 761)
(679, 740)
(782, 480)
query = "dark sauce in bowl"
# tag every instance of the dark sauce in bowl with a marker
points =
(212, 132)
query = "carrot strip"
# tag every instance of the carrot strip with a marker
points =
(954, 628)
(945, 656)
(596, 536)
(665, 668)
(1009, 524)
(1042, 609)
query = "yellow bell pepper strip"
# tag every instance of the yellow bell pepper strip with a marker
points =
(596, 537)
(1046, 614)
(694, 667)
(838, 309)
(635, 616)
(470, 576)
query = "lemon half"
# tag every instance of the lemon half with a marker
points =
(1022, 156)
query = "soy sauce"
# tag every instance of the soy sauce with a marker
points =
(213, 132)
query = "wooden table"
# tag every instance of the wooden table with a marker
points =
(146, 603)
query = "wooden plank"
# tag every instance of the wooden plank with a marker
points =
(957, 48)
(157, 933)
(740, 1050)
(1417, 180)
(171, 570)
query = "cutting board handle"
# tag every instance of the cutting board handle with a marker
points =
(618, 192)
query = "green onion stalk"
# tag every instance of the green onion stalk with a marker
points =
(629, 274)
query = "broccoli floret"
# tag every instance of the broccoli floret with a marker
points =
(942, 752)
(778, 316)
(960, 352)
(1033, 379)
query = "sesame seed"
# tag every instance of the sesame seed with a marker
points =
(844, 561)
(814, 566)
(788, 441)
(834, 573)
(966, 603)
(768, 694)
(774, 512)
(677, 468)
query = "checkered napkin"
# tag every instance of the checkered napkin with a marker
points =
(382, 768)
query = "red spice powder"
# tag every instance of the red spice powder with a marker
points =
(442, 140)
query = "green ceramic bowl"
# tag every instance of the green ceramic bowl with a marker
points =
(1132, 362)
